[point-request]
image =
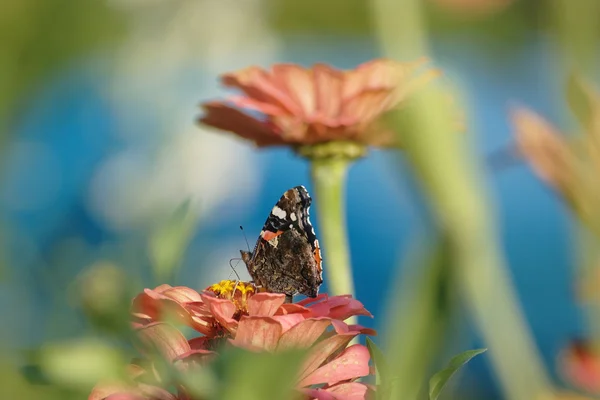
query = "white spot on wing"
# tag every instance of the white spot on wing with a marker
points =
(274, 242)
(278, 212)
(293, 216)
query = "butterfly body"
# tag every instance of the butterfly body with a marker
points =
(287, 256)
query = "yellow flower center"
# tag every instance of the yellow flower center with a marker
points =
(237, 291)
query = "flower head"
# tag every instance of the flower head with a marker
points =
(571, 165)
(307, 106)
(580, 366)
(233, 314)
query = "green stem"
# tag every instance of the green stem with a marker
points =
(451, 177)
(329, 178)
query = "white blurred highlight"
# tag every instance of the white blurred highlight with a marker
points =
(170, 64)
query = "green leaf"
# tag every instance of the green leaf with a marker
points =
(580, 100)
(439, 380)
(381, 366)
(169, 241)
(242, 374)
(81, 363)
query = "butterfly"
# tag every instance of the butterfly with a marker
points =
(287, 257)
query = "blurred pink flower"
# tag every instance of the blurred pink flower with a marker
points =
(232, 313)
(580, 366)
(306, 106)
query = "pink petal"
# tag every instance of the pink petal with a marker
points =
(580, 366)
(222, 116)
(262, 86)
(222, 310)
(299, 85)
(194, 358)
(304, 334)
(328, 87)
(165, 338)
(257, 333)
(265, 304)
(351, 363)
(313, 300)
(293, 308)
(318, 394)
(182, 294)
(362, 329)
(321, 351)
(288, 321)
(162, 288)
(256, 105)
(339, 307)
(366, 106)
(199, 343)
(349, 391)
(105, 389)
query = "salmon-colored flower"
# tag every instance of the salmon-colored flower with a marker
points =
(580, 366)
(307, 106)
(570, 164)
(233, 314)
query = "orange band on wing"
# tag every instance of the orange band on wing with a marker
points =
(317, 254)
(268, 235)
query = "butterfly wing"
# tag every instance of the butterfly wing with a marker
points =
(287, 256)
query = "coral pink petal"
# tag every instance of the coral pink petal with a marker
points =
(199, 343)
(252, 104)
(304, 334)
(262, 86)
(351, 363)
(313, 300)
(321, 351)
(366, 106)
(258, 333)
(221, 116)
(349, 391)
(363, 330)
(328, 88)
(292, 308)
(164, 338)
(318, 394)
(104, 390)
(581, 367)
(265, 304)
(182, 294)
(288, 321)
(194, 358)
(162, 288)
(299, 84)
(339, 307)
(222, 310)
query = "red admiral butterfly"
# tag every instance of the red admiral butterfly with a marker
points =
(287, 257)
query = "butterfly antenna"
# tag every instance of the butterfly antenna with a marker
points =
(233, 269)
(245, 238)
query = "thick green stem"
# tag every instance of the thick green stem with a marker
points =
(329, 178)
(451, 177)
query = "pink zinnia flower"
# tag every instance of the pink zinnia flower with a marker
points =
(306, 106)
(580, 366)
(232, 314)
(568, 163)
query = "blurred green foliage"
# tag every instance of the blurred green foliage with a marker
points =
(37, 38)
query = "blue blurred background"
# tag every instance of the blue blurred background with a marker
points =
(103, 143)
